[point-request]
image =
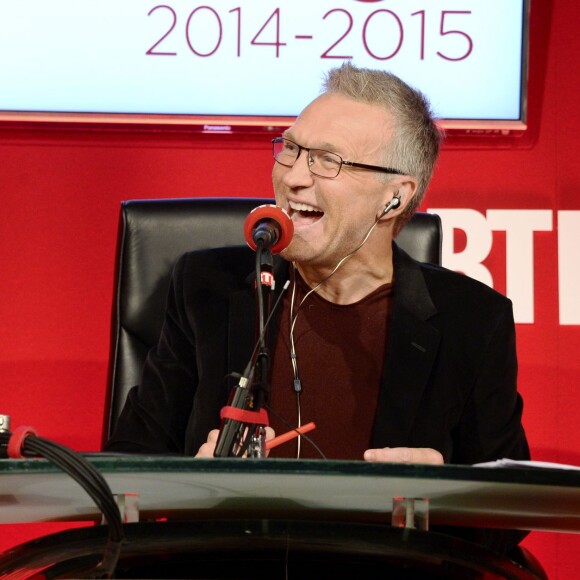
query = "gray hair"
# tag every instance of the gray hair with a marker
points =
(416, 140)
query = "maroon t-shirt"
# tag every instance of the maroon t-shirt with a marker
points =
(340, 353)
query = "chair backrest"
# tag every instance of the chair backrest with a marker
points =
(152, 236)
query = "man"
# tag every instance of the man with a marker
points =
(394, 360)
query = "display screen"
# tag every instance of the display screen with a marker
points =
(255, 62)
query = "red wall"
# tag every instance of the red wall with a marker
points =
(60, 200)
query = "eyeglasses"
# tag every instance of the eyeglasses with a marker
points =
(320, 162)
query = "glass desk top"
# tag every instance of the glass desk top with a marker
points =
(33, 490)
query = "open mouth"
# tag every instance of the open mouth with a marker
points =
(303, 213)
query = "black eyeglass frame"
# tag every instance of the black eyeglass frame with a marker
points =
(342, 161)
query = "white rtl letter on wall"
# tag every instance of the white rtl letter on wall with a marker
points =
(569, 266)
(478, 245)
(519, 226)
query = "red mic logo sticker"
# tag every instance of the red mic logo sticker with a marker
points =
(267, 279)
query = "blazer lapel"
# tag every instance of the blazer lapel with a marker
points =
(241, 329)
(411, 351)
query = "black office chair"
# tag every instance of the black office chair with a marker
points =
(152, 236)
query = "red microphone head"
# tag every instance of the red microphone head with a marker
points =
(277, 217)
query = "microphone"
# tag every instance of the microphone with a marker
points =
(270, 227)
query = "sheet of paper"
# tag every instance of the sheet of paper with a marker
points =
(526, 464)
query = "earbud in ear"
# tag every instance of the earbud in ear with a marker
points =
(393, 204)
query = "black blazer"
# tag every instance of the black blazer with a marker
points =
(450, 371)
(449, 381)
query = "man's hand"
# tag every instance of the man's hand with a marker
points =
(404, 455)
(208, 448)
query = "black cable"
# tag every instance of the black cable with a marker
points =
(91, 480)
(85, 474)
(251, 362)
